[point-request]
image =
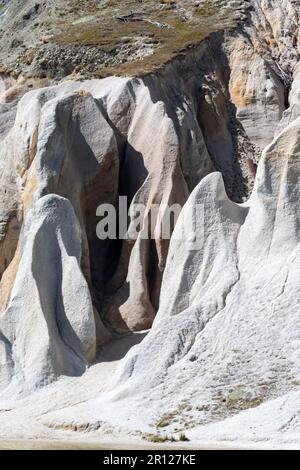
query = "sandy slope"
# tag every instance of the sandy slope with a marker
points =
(22, 419)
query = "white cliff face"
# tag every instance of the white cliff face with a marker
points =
(43, 333)
(228, 317)
(263, 56)
(224, 314)
(257, 92)
(89, 143)
(222, 358)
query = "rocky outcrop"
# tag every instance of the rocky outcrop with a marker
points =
(228, 318)
(48, 328)
(91, 142)
(221, 298)
(222, 358)
(263, 54)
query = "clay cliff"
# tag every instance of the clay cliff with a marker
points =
(211, 125)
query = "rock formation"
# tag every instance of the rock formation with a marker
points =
(228, 316)
(75, 140)
(43, 332)
(214, 129)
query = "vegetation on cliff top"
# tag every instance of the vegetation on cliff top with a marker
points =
(158, 29)
(100, 37)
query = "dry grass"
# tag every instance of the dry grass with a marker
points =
(87, 23)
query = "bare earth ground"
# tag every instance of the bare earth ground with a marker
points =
(48, 421)
(20, 421)
(61, 445)
(22, 427)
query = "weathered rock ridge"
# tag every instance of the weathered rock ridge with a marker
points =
(228, 316)
(43, 333)
(91, 142)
